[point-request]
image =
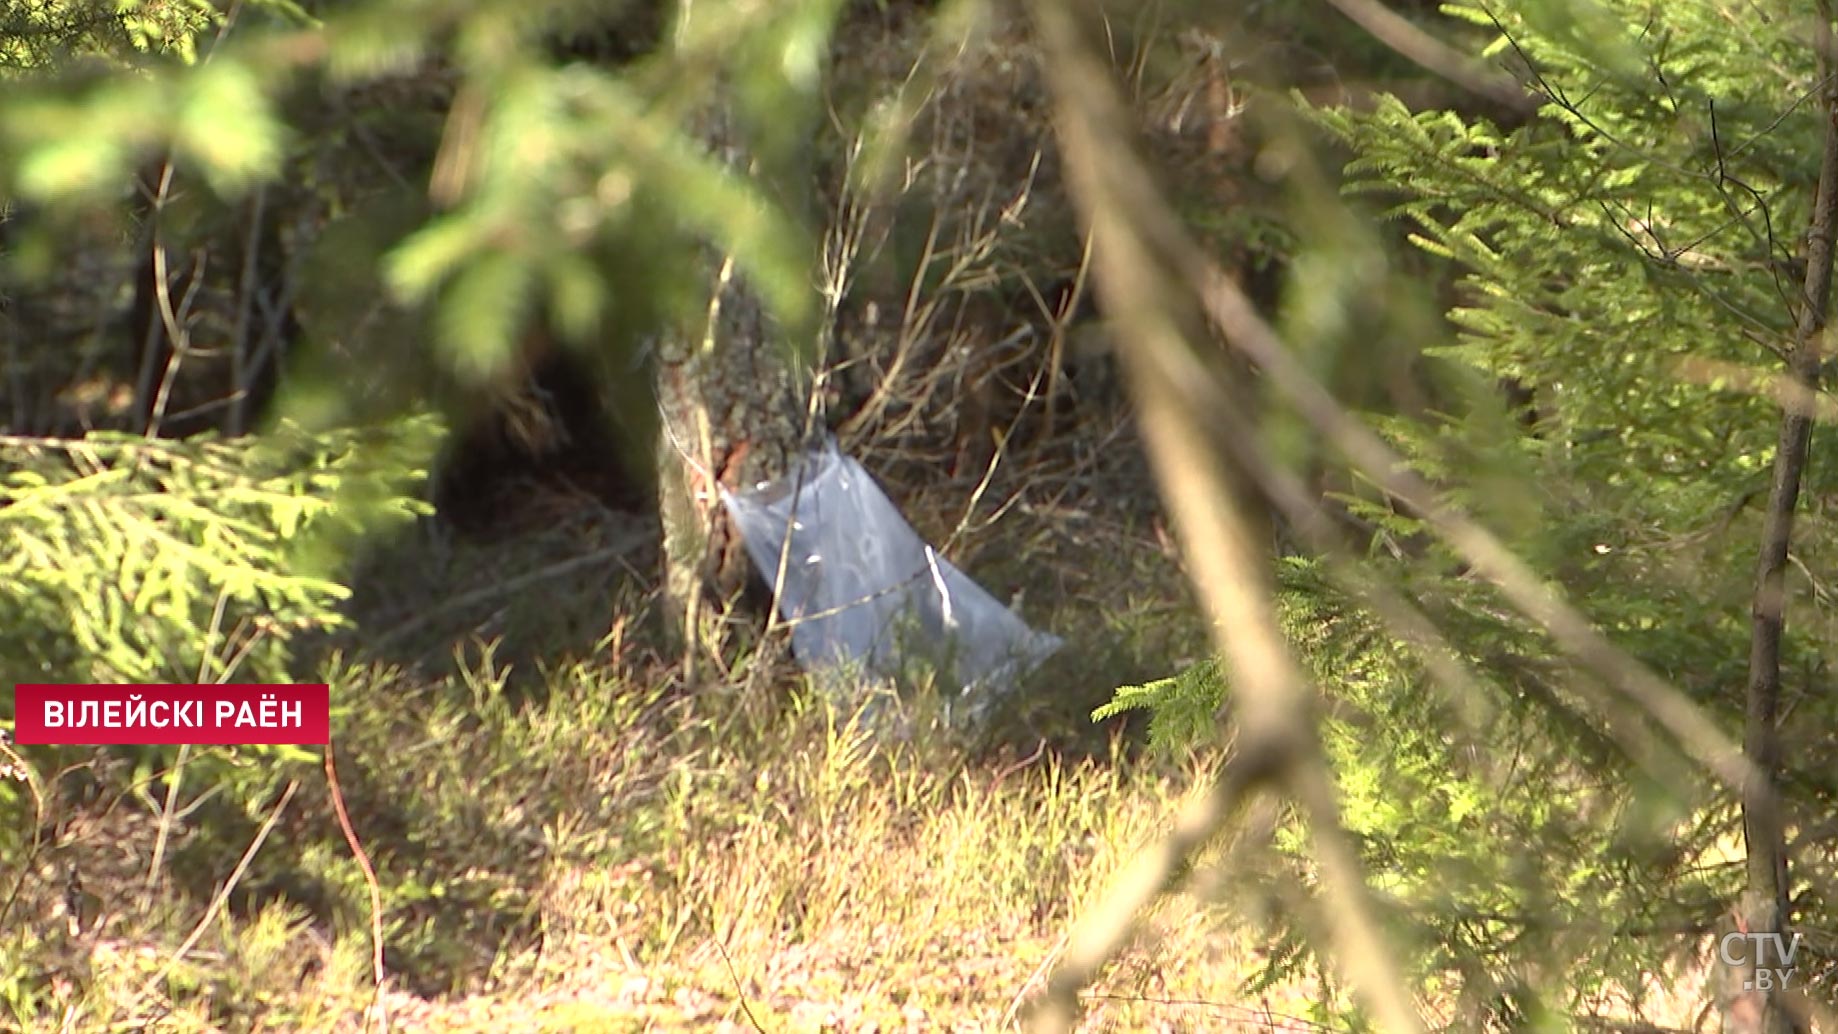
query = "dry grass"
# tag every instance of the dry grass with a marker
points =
(622, 859)
(621, 856)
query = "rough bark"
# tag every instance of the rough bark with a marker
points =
(1765, 905)
(733, 415)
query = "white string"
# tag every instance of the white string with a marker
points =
(695, 464)
(944, 593)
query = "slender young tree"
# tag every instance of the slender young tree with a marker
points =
(1767, 907)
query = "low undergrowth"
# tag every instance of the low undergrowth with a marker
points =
(613, 852)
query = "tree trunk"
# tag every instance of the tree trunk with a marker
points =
(733, 414)
(1764, 908)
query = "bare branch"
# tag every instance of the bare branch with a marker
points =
(1247, 332)
(1217, 511)
(1433, 55)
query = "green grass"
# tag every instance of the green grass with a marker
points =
(572, 847)
(602, 846)
(615, 852)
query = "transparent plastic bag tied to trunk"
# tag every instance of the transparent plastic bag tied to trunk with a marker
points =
(862, 592)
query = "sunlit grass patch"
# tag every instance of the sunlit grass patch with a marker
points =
(612, 850)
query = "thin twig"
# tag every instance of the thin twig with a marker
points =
(143, 383)
(1137, 273)
(176, 775)
(1700, 737)
(506, 587)
(12, 763)
(241, 368)
(740, 991)
(377, 974)
(1433, 55)
(223, 893)
(178, 333)
(1034, 978)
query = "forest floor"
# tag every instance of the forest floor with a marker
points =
(602, 844)
(599, 864)
(598, 846)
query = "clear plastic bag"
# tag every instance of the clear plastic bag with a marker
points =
(861, 591)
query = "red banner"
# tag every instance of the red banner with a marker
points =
(125, 713)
